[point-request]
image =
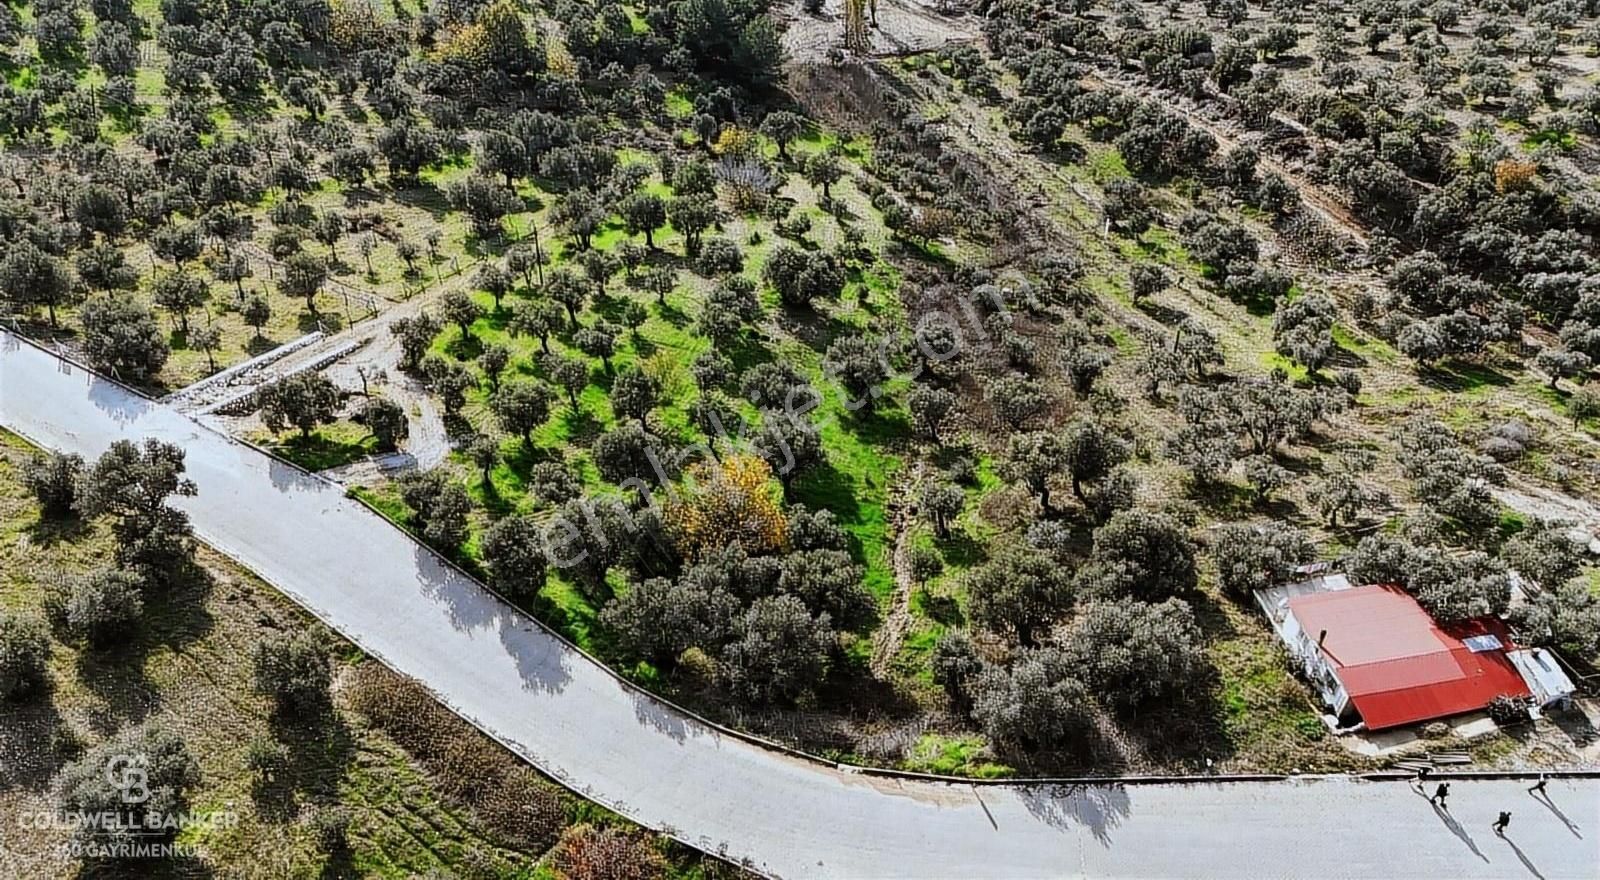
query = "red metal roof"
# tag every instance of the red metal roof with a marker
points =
(1397, 664)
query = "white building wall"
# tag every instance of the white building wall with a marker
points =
(1314, 663)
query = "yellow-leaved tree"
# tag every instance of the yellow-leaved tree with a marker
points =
(733, 501)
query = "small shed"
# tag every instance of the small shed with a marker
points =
(1546, 680)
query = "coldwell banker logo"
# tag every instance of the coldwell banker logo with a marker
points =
(127, 774)
(131, 821)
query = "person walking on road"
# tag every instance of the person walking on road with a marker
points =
(1422, 777)
(1440, 793)
(1538, 787)
(1501, 823)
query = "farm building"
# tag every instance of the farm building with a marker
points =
(1374, 654)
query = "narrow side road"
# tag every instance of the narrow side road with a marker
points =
(781, 815)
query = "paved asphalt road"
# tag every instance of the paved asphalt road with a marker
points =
(784, 816)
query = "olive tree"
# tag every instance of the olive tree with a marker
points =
(440, 508)
(1139, 554)
(1018, 590)
(955, 664)
(305, 400)
(778, 651)
(1565, 616)
(513, 550)
(292, 669)
(31, 277)
(131, 484)
(1253, 556)
(1546, 552)
(1133, 653)
(168, 773)
(1037, 702)
(659, 619)
(1303, 330)
(521, 407)
(386, 420)
(52, 478)
(121, 336)
(24, 656)
(99, 607)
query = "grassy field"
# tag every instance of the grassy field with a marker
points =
(328, 446)
(188, 669)
(1255, 714)
(861, 456)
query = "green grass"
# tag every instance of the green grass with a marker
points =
(954, 756)
(1362, 345)
(1565, 141)
(572, 614)
(678, 105)
(329, 446)
(188, 668)
(1271, 360)
(385, 501)
(857, 149)
(1105, 165)
(1266, 715)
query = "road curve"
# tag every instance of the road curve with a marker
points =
(779, 814)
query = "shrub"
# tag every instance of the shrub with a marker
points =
(513, 802)
(89, 785)
(1506, 709)
(265, 756)
(1565, 616)
(99, 607)
(293, 670)
(955, 664)
(590, 853)
(52, 479)
(24, 656)
(926, 563)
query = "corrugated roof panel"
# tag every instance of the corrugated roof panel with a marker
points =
(1397, 664)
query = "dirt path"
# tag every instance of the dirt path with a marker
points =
(1331, 210)
(892, 634)
(366, 348)
(1549, 504)
(428, 442)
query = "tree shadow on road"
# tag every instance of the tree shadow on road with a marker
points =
(653, 713)
(1099, 808)
(541, 659)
